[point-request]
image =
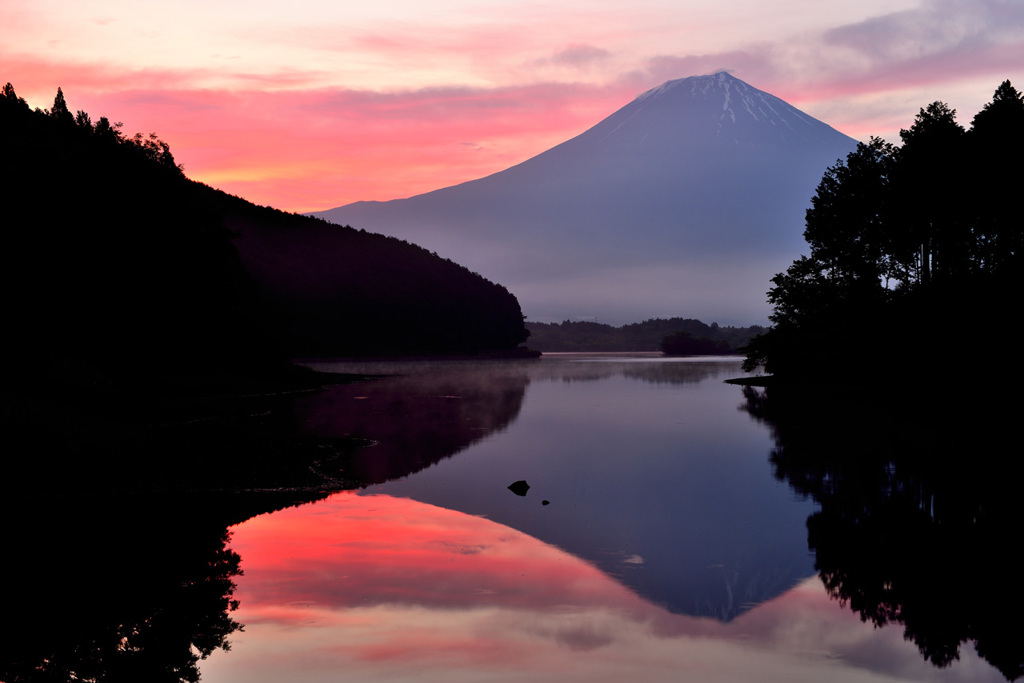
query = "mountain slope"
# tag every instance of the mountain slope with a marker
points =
(351, 292)
(115, 258)
(684, 202)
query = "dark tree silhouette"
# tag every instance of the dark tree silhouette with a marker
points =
(60, 111)
(11, 99)
(899, 238)
(643, 336)
(917, 492)
(928, 194)
(996, 143)
(846, 224)
(129, 597)
(685, 344)
(130, 260)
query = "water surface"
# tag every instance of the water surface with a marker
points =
(653, 541)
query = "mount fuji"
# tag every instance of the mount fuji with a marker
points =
(685, 203)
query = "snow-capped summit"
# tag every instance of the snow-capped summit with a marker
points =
(728, 100)
(701, 112)
(684, 202)
(722, 87)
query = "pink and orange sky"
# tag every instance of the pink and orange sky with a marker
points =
(385, 589)
(311, 104)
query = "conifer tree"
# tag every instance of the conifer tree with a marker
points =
(901, 235)
(11, 98)
(997, 147)
(928, 192)
(60, 109)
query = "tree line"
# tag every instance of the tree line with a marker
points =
(115, 257)
(649, 335)
(902, 239)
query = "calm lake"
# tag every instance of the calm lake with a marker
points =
(654, 541)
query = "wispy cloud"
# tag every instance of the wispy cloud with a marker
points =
(312, 149)
(580, 56)
(307, 114)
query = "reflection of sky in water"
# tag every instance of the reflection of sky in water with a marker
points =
(670, 473)
(654, 477)
(375, 588)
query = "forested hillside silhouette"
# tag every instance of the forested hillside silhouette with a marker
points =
(883, 407)
(342, 291)
(114, 257)
(111, 254)
(905, 242)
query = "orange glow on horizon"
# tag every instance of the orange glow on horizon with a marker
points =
(385, 588)
(325, 105)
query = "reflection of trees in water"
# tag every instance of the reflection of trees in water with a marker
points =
(689, 372)
(416, 413)
(145, 581)
(652, 368)
(114, 591)
(920, 518)
(159, 439)
(566, 367)
(414, 420)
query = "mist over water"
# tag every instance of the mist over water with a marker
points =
(683, 203)
(652, 541)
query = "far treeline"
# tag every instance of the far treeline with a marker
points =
(913, 249)
(675, 336)
(116, 262)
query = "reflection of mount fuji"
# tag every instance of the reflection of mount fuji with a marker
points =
(671, 497)
(685, 201)
(410, 421)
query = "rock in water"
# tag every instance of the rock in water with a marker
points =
(519, 488)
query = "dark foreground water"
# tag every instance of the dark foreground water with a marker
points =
(653, 542)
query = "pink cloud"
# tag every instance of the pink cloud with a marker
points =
(37, 79)
(580, 54)
(286, 139)
(579, 57)
(360, 551)
(303, 150)
(940, 42)
(385, 588)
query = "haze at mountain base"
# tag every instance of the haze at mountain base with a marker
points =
(684, 202)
